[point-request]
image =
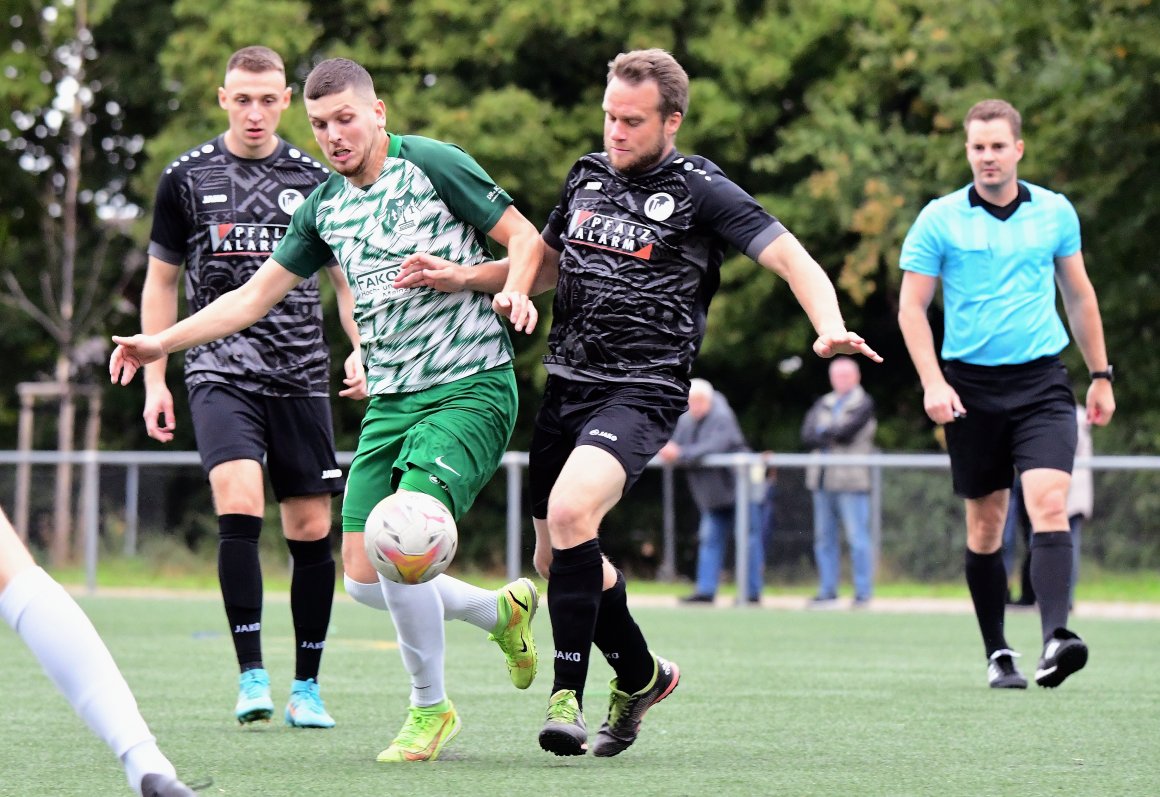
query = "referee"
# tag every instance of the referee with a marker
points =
(1000, 246)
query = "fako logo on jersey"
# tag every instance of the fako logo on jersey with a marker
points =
(608, 232)
(378, 284)
(241, 240)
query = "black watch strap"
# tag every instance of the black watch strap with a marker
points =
(1108, 374)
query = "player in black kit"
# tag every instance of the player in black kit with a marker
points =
(634, 249)
(261, 394)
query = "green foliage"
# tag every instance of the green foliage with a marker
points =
(843, 118)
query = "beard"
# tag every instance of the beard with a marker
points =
(642, 162)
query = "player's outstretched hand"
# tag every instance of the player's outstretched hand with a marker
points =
(131, 355)
(355, 378)
(518, 308)
(423, 270)
(844, 342)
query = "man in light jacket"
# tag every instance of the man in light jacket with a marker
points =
(842, 422)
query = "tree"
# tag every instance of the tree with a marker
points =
(50, 128)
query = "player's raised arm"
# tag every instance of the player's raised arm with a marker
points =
(786, 257)
(229, 313)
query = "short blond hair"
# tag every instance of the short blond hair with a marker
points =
(256, 59)
(986, 110)
(637, 66)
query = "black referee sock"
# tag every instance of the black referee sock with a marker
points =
(1051, 563)
(311, 599)
(240, 576)
(620, 639)
(987, 582)
(577, 575)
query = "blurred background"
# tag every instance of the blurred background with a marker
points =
(843, 117)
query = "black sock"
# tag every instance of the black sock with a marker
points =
(1051, 577)
(240, 576)
(311, 599)
(987, 581)
(620, 639)
(577, 575)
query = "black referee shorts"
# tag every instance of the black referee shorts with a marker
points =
(629, 421)
(1018, 416)
(293, 435)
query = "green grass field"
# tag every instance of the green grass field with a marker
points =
(770, 703)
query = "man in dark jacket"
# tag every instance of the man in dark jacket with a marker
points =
(710, 427)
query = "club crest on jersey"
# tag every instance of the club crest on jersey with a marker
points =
(659, 207)
(289, 200)
(608, 232)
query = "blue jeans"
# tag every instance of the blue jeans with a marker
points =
(852, 510)
(715, 532)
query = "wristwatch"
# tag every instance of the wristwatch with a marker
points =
(1108, 374)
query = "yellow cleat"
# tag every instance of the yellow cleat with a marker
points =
(424, 734)
(513, 634)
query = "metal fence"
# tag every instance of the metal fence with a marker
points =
(749, 470)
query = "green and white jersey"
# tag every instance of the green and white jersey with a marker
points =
(429, 197)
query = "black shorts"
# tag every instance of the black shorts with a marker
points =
(293, 435)
(1018, 416)
(629, 421)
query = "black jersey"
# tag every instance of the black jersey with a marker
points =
(640, 261)
(222, 215)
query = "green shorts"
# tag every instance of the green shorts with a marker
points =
(446, 441)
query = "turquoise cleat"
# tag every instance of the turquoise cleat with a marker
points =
(254, 703)
(305, 709)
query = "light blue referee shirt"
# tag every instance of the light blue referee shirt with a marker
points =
(998, 277)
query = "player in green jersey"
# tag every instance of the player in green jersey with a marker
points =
(392, 196)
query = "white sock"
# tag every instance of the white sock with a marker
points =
(467, 602)
(75, 658)
(461, 601)
(417, 612)
(366, 594)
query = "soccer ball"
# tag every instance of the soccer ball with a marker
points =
(410, 537)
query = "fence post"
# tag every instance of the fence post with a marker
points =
(741, 529)
(91, 498)
(132, 498)
(668, 568)
(514, 499)
(875, 516)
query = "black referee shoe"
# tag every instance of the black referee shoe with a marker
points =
(1063, 654)
(1002, 672)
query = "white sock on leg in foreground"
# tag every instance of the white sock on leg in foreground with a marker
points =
(461, 601)
(75, 658)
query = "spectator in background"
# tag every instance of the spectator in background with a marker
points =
(841, 422)
(1079, 508)
(1081, 495)
(710, 427)
(1018, 523)
(769, 508)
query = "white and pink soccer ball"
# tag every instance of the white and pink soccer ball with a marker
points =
(410, 537)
